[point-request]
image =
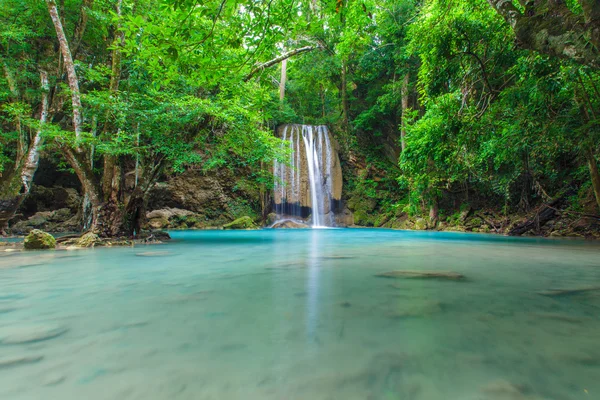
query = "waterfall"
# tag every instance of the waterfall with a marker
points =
(306, 183)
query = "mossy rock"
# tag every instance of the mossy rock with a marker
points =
(271, 218)
(39, 240)
(420, 224)
(241, 223)
(362, 219)
(90, 239)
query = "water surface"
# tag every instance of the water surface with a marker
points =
(299, 314)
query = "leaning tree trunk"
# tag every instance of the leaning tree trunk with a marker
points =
(77, 157)
(594, 174)
(69, 66)
(344, 93)
(19, 184)
(404, 105)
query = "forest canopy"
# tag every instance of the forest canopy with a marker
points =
(435, 102)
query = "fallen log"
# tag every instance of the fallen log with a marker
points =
(545, 213)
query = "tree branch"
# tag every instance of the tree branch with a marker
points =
(277, 60)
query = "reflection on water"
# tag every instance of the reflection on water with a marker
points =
(301, 315)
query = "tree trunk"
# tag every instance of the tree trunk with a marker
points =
(404, 106)
(283, 80)
(81, 25)
(433, 212)
(69, 66)
(344, 94)
(21, 140)
(594, 174)
(19, 185)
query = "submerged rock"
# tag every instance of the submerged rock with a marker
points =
(568, 292)
(416, 310)
(14, 361)
(289, 224)
(53, 378)
(37, 240)
(241, 223)
(154, 254)
(452, 276)
(30, 334)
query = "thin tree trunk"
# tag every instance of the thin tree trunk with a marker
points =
(81, 25)
(69, 65)
(283, 80)
(594, 174)
(33, 156)
(344, 90)
(20, 184)
(14, 90)
(404, 106)
(111, 178)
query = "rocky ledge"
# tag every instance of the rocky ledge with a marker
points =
(39, 240)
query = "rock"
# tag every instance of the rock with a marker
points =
(505, 390)
(241, 223)
(420, 224)
(154, 254)
(465, 214)
(43, 198)
(14, 361)
(344, 218)
(409, 309)
(171, 217)
(169, 213)
(37, 240)
(271, 218)
(568, 292)
(53, 378)
(158, 223)
(153, 237)
(30, 334)
(61, 220)
(289, 224)
(452, 276)
(90, 239)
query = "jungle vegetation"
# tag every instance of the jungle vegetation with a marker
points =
(434, 101)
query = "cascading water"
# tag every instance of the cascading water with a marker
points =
(306, 184)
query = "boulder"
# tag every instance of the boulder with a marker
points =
(61, 220)
(90, 239)
(289, 224)
(344, 218)
(271, 218)
(171, 217)
(158, 223)
(420, 224)
(37, 240)
(241, 223)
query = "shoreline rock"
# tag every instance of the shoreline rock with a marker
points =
(39, 240)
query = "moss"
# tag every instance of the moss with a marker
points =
(241, 223)
(420, 224)
(361, 218)
(88, 240)
(38, 240)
